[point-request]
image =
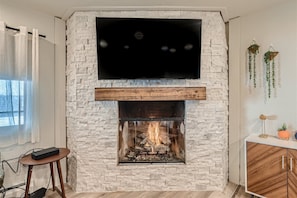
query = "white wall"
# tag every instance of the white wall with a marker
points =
(52, 93)
(276, 26)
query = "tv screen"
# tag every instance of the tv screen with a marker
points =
(148, 48)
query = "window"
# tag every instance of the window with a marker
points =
(19, 87)
(11, 103)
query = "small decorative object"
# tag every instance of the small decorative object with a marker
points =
(252, 52)
(263, 118)
(271, 73)
(295, 135)
(283, 133)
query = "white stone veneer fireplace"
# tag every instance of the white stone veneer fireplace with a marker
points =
(92, 126)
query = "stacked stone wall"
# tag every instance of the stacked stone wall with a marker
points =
(92, 126)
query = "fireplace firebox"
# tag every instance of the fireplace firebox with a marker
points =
(151, 132)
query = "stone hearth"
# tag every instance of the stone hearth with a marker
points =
(92, 126)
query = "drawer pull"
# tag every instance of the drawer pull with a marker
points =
(291, 164)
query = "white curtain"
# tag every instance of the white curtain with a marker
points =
(35, 87)
(17, 75)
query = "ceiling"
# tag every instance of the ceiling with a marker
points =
(64, 8)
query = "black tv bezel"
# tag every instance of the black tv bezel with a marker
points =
(196, 76)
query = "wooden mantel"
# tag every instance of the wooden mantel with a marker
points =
(150, 93)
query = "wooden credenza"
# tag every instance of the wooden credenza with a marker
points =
(271, 167)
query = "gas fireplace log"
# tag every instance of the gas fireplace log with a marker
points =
(124, 138)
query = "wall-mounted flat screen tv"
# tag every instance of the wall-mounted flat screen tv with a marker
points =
(148, 48)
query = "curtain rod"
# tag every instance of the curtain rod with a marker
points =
(16, 29)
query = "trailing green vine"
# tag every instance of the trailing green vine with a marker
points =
(253, 50)
(250, 65)
(254, 64)
(270, 70)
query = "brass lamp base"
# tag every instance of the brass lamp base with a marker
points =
(263, 136)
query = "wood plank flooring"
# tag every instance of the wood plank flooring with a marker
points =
(229, 192)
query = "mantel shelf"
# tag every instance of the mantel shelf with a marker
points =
(150, 93)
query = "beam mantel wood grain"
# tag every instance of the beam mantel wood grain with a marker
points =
(150, 93)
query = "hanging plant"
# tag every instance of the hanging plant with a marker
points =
(270, 68)
(253, 50)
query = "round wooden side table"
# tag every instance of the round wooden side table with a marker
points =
(27, 160)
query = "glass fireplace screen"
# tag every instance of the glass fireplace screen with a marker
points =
(151, 132)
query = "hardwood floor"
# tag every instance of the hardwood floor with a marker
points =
(230, 191)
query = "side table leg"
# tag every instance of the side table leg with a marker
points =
(61, 178)
(28, 180)
(53, 176)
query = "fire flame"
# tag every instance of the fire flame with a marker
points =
(154, 133)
